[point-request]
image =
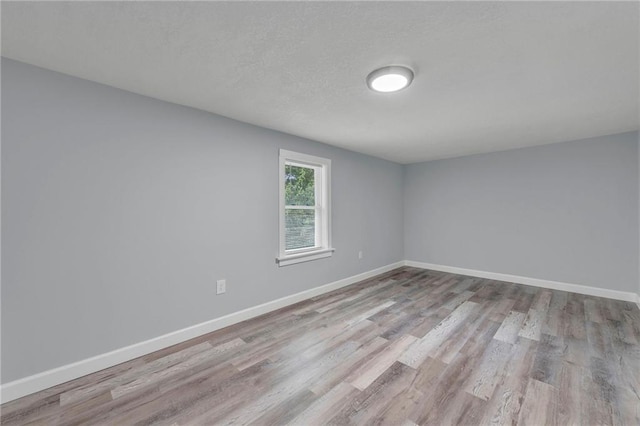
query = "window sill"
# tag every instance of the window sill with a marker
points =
(304, 257)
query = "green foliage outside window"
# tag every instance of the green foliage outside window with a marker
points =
(299, 186)
(299, 191)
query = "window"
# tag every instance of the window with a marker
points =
(305, 208)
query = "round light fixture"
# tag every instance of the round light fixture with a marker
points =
(390, 79)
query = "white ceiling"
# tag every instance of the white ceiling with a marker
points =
(489, 76)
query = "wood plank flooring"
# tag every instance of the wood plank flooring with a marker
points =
(409, 347)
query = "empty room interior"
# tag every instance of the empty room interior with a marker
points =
(320, 213)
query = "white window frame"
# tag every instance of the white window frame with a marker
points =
(322, 184)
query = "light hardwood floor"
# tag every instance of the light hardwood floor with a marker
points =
(406, 347)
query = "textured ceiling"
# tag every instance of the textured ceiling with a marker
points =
(489, 76)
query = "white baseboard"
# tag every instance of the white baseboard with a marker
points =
(554, 285)
(37, 382)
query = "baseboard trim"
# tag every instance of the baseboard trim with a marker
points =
(37, 382)
(554, 285)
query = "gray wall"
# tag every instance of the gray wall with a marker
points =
(119, 212)
(564, 212)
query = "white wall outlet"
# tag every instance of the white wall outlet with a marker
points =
(221, 286)
(360, 254)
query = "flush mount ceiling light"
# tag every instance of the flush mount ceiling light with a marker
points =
(390, 79)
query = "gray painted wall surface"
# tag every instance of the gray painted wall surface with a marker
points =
(119, 212)
(565, 212)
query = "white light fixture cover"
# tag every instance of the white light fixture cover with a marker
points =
(390, 79)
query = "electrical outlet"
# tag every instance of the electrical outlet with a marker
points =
(221, 286)
(360, 255)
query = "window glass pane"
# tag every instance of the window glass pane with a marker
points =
(300, 228)
(299, 186)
